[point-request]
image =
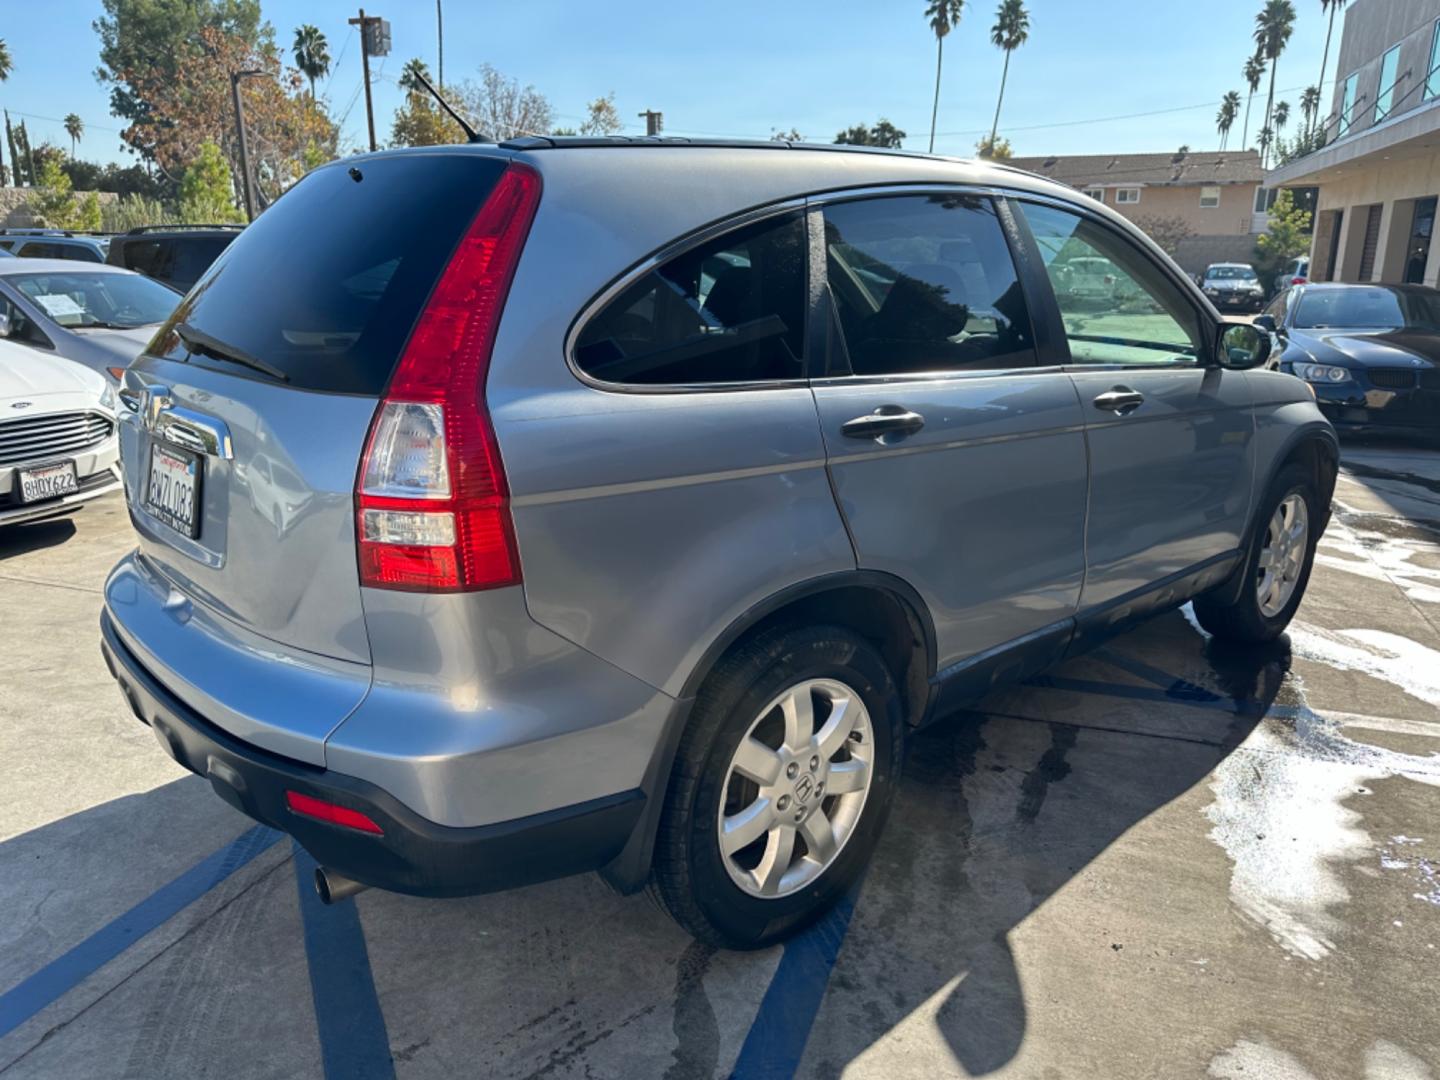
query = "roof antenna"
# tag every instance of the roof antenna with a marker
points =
(470, 132)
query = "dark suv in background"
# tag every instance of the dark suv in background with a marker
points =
(173, 255)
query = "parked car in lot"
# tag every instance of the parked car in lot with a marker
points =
(99, 316)
(651, 492)
(1233, 287)
(1296, 272)
(54, 244)
(174, 255)
(1371, 352)
(58, 447)
(1086, 278)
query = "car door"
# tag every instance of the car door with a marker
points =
(1170, 438)
(958, 463)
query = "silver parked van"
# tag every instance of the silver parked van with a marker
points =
(639, 496)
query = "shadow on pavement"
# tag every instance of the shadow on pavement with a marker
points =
(34, 536)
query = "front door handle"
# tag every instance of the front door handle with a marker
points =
(886, 420)
(1120, 400)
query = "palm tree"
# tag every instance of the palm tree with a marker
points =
(944, 16)
(312, 55)
(1273, 27)
(1011, 30)
(1253, 71)
(5, 64)
(410, 75)
(1310, 106)
(1332, 6)
(1281, 117)
(75, 128)
(1225, 118)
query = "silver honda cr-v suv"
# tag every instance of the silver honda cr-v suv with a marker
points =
(509, 511)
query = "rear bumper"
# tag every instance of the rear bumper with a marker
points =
(414, 855)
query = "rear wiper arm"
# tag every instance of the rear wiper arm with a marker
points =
(201, 342)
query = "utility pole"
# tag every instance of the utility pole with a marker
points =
(364, 25)
(440, 41)
(235, 77)
(654, 121)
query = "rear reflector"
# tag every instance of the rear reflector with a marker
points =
(330, 813)
(432, 503)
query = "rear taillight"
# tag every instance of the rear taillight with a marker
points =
(432, 505)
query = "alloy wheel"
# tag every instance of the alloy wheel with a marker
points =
(1282, 557)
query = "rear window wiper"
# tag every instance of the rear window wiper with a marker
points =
(200, 342)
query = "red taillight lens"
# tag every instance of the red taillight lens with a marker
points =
(432, 504)
(330, 813)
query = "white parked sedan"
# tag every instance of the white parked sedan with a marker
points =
(58, 446)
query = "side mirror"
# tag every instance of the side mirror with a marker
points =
(1242, 345)
(4, 324)
(1266, 323)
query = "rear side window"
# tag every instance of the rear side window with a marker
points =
(925, 283)
(192, 256)
(327, 283)
(148, 257)
(730, 310)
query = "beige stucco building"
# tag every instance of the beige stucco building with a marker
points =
(1379, 177)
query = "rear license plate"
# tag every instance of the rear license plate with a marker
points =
(172, 493)
(48, 481)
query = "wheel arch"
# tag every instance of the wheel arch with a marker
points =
(878, 606)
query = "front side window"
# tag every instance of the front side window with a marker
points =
(1385, 94)
(925, 283)
(1347, 102)
(1209, 197)
(729, 310)
(1117, 305)
(1127, 195)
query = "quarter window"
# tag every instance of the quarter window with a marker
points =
(1118, 307)
(1127, 195)
(730, 310)
(1209, 197)
(925, 283)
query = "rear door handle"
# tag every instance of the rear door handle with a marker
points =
(886, 420)
(1120, 400)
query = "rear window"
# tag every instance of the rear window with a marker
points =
(327, 283)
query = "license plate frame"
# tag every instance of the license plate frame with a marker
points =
(65, 468)
(166, 506)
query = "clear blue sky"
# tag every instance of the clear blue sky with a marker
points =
(745, 67)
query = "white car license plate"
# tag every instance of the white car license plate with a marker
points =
(172, 493)
(48, 481)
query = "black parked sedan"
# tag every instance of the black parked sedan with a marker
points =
(1371, 352)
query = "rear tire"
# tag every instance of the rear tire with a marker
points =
(1277, 564)
(770, 818)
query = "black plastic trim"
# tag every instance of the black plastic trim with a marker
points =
(415, 855)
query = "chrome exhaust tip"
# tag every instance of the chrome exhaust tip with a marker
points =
(332, 887)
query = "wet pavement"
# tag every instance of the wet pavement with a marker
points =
(1163, 859)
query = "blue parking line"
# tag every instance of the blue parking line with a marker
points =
(65, 972)
(777, 1038)
(353, 1041)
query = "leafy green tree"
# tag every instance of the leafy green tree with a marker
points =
(1011, 30)
(207, 192)
(54, 204)
(882, 133)
(1273, 27)
(1253, 72)
(944, 16)
(994, 149)
(603, 118)
(75, 128)
(1225, 118)
(130, 211)
(420, 121)
(312, 54)
(1287, 236)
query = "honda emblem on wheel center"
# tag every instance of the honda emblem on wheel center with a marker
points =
(804, 788)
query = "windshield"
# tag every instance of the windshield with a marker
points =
(1365, 307)
(1229, 273)
(77, 299)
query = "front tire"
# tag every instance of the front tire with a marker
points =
(780, 788)
(1277, 566)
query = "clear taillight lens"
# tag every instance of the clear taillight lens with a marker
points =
(407, 453)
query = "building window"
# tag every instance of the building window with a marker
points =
(1210, 197)
(1421, 229)
(1096, 193)
(1127, 196)
(1432, 77)
(1347, 103)
(1385, 95)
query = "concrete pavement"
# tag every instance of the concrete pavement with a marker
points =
(1162, 859)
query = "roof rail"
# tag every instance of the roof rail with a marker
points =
(36, 232)
(565, 142)
(178, 228)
